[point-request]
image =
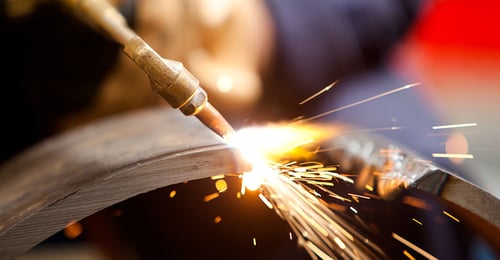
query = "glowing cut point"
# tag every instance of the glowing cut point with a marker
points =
(252, 180)
(256, 143)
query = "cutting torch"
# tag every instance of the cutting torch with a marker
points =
(169, 79)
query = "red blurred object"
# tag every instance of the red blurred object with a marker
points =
(461, 23)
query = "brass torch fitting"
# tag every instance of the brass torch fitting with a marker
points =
(169, 78)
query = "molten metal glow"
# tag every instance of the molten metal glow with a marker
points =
(291, 185)
(259, 145)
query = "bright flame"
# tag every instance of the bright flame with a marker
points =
(276, 141)
(259, 145)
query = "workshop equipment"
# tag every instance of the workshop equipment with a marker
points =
(168, 78)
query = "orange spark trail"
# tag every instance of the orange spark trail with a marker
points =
(362, 101)
(325, 89)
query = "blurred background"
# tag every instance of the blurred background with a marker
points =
(259, 59)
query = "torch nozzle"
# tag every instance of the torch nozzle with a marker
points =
(211, 118)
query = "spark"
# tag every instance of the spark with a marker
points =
(73, 229)
(354, 210)
(339, 242)
(317, 251)
(290, 235)
(320, 183)
(172, 194)
(451, 216)
(418, 222)
(216, 177)
(210, 197)
(217, 219)
(266, 202)
(453, 126)
(325, 89)
(221, 185)
(293, 189)
(362, 101)
(369, 187)
(407, 254)
(358, 196)
(453, 155)
(254, 241)
(413, 246)
(313, 222)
